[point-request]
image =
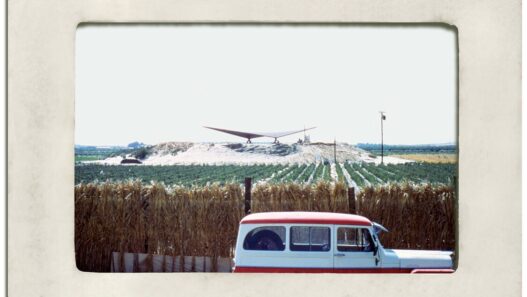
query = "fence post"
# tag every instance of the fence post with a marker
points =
(351, 200)
(248, 184)
(144, 205)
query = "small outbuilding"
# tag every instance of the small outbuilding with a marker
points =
(130, 161)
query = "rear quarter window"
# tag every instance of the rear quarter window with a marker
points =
(266, 238)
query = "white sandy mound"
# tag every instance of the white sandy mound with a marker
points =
(234, 153)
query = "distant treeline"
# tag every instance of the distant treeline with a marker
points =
(90, 150)
(409, 149)
(90, 153)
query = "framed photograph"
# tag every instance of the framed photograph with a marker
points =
(147, 155)
(361, 142)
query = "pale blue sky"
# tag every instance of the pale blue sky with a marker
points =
(163, 83)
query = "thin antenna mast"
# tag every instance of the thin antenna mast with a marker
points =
(383, 117)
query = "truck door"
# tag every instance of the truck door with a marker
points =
(353, 249)
(310, 248)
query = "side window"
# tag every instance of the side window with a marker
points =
(354, 240)
(268, 238)
(310, 239)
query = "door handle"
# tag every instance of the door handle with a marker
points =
(339, 255)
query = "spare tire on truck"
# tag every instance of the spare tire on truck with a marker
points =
(266, 240)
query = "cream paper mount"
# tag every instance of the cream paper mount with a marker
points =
(41, 98)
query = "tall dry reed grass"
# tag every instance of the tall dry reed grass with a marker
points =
(418, 217)
(136, 218)
(131, 217)
(322, 196)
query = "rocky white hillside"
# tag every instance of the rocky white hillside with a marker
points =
(172, 153)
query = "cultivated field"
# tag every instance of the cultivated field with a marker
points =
(358, 175)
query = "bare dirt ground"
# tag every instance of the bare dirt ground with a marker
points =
(429, 158)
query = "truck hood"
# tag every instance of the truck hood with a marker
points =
(423, 259)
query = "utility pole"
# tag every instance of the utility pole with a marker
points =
(383, 117)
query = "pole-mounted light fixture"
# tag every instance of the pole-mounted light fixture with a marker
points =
(383, 118)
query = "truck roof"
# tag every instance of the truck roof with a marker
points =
(303, 217)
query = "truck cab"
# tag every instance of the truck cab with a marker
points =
(321, 242)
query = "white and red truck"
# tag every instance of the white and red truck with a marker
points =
(321, 242)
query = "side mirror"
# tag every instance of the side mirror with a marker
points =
(378, 228)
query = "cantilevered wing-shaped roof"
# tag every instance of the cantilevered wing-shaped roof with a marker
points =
(285, 133)
(250, 135)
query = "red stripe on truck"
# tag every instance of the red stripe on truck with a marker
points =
(245, 269)
(432, 271)
(319, 270)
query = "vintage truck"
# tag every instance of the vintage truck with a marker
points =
(320, 242)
